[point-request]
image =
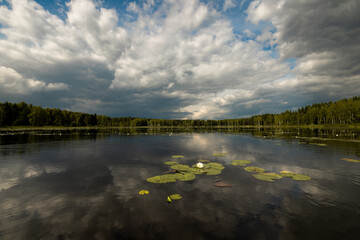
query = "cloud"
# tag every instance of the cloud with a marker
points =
(321, 35)
(184, 56)
(199, 50)
(228, 4)
(87, 105)
(14, 83)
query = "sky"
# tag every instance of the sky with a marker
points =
(179, 59)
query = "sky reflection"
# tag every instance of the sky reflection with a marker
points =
(88, 189)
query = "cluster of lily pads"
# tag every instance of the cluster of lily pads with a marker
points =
(261, 173)
(169, 198)
(182, 172)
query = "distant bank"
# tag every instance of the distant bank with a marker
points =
(339, 114)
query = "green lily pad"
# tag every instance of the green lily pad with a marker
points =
(177, 156)
(301, 177)
(219, 154)
(273, 175)
(240, 162)
(185, 176)
(270, 177)
(180, 167)
(195, 170)
(169, 178)
(263, 177)
(350, 160)
(166, 178)
(171, 163)
(215, 165)
(155, 179)
(175, 196)
(213, 172)
(254, 169)
(143, 192)
(287, 174)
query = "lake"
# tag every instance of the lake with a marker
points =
(84, 184)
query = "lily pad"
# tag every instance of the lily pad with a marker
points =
(185, 176)
(166, 178)
(254, 169)
(177, 156)
(143, 192)
(263, 177)
(240, 162)
(287, 174)
(171, 163)
(213, 172)
(155, 179)
(219, 154)
(270, 177)
(195, 170)
(215, 165)
(350, 160)
(180, 167)
(273, 175)
(175, 196)
(222, 184)
(301, 177)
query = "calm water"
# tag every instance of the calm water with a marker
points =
(84, 185)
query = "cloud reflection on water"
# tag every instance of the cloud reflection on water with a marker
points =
(97, 197)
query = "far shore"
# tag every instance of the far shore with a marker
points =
(59, 128)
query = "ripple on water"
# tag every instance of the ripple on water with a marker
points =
(356, 179)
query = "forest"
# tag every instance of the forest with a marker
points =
(345, 111)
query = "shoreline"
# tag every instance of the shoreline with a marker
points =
(59, 128)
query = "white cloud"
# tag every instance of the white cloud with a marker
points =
(191, 47)
(14, 83)
(56, 86)
(132, 7)
(228, 4)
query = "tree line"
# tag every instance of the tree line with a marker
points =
(345, 111)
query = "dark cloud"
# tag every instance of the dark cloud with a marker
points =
(324, 33)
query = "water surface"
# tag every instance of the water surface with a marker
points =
(85, 184)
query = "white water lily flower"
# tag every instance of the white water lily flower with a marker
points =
(199, 165)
